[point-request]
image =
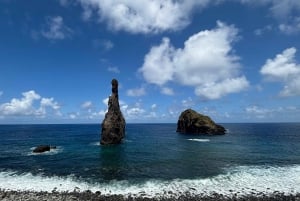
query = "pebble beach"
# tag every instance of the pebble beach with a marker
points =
(88, 195)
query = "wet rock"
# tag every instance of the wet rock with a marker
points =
(41, 149)
(113, 125)
(192, 122)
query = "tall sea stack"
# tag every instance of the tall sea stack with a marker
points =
(113, 125)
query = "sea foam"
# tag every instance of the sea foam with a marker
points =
(199, 140)
(95, 143)
(241, 180)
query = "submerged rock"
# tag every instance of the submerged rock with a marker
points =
(113, 125)
(193, 122)
(43, 148)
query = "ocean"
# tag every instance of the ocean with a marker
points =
(153, 160)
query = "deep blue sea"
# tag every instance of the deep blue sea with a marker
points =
(152, 160)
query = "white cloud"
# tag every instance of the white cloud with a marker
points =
(136, 92)
(27, 106)
(105, 101)
(56, 30)
(48, 103)
(143, 16)
(167, 91)
(107, 44)
(283, 68)
(287, 113)
(153, 106)
(292, 27)
(285, 11)
(220, 89)
(113, 69)
(1, 93)
(64, 2)
(206, 62)
(23, 106)
(134, 111)
(188, 103)
(279, 9)
(155, 16)
(261, 31)
(104, 44)
(284, 8)
(73, 116)
(97, 114)
(291, 88)
(258, 112)
(158, 67)
(151, 115)
(87, 105)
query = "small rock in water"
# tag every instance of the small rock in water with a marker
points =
(42, 148)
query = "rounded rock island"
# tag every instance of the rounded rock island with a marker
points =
(192, 122)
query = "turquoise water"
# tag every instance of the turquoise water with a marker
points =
(152, 159)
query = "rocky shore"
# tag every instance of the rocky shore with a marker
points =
(88, 195)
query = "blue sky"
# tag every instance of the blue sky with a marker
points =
(234, 60)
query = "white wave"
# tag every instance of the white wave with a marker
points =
(95, 143)
(241, 180)
(57, 150)
(199, 140)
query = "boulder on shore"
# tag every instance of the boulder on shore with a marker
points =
(113, 125)
(192, 122)
(43, 148)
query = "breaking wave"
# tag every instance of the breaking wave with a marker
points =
(199, 140)
(242, 180)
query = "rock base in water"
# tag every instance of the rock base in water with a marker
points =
(192, 122)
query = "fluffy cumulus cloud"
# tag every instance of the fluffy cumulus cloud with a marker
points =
(155, 16)
(28, 106)
(143, 16)
(56, 29)
(48, 103)
(283, 68)
(206, 62)
(23, 106)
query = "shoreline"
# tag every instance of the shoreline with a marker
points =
(9, 195)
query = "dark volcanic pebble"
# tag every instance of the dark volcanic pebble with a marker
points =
(88, 195)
